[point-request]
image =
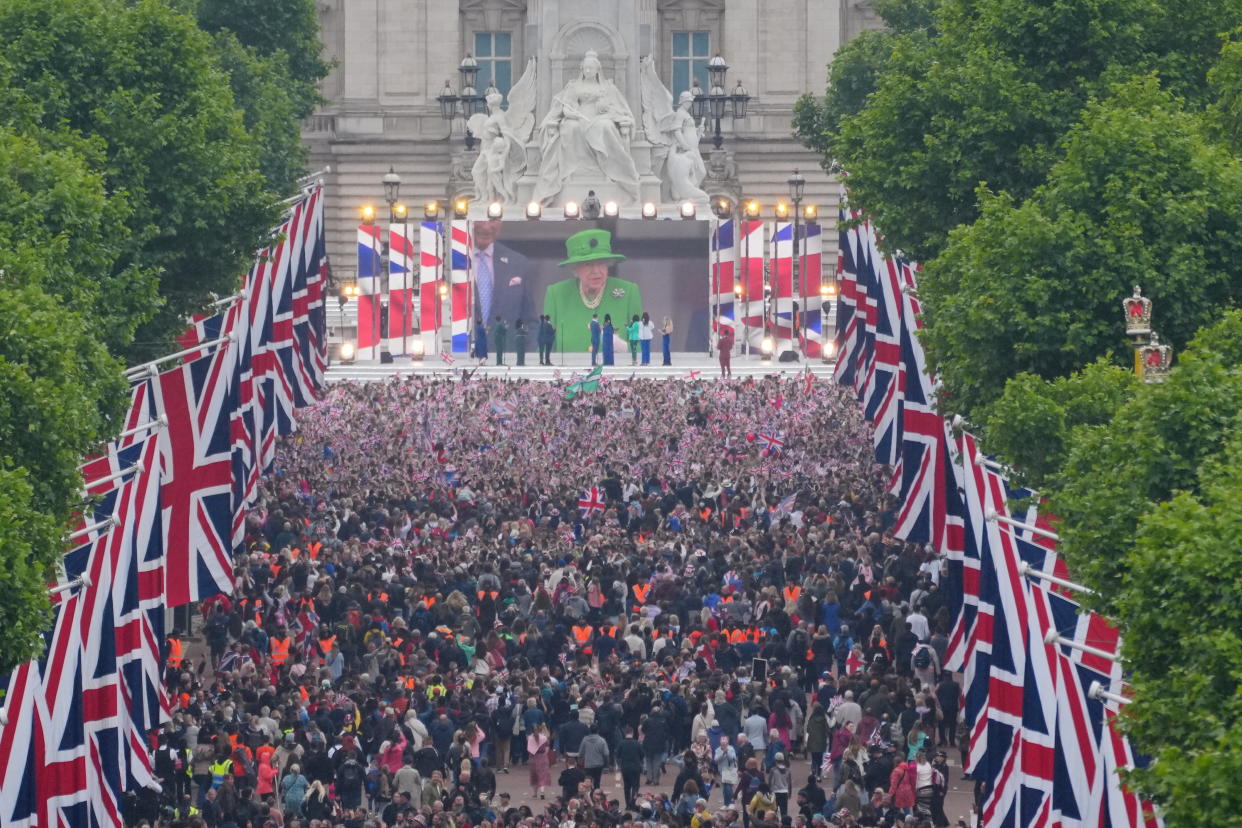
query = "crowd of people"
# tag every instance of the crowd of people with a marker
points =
(473, 603)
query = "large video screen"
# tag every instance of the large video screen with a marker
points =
(571, 270)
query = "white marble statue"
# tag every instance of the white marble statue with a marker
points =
(674, 137)
(586, 135)
(502, 138)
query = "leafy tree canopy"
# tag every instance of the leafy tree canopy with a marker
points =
(141, 79)
(1140, 197)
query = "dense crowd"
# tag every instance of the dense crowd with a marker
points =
(458, 589)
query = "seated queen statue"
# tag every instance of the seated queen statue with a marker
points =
(586, 135)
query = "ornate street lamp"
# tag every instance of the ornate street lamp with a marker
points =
(469, 102)
(392, 191)
(715, 102)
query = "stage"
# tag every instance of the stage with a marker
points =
(566, 366)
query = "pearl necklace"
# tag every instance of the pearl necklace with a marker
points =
(591, 304)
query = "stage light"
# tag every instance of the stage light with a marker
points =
(368, 213)
(611, 209)
(782, 210)
(431, 210)
(399, 210)
(443, 290)
(348, 352)
(350, 291)
(461, 207)
(751, 209)
(571, 209)
(828, 291)
(688, 209)
(767, 346)
(737, 290)
(649, 210)
(495, 210)
(416, 347)
(534, 210)
(723, 208)
(810, 212)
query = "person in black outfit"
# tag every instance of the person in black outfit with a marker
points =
(949, 694)
(629, 756)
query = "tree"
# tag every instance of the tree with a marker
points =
(1182, 610)
(1032, 423)
(142, 80)
(1141, 196)
(271, 28)
(1155, 445)
(985, 96)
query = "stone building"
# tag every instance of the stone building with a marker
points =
(393, 58)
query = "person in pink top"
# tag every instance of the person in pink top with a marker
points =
(391, 754)
(268, 775)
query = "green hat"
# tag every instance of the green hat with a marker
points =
(590, 246)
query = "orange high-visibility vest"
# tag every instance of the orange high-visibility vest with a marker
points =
(411, 683)
(280, 650)
(608, 631)
(429, 601)
(737, 637)
(792, 593)
(326, 644)
(302, 693)
(313, 547)
(755, 634)
(582, 634)
(493, 593)
(640, 592)
(174, 653)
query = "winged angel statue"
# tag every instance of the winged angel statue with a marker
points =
(674, 136)
(502, 135)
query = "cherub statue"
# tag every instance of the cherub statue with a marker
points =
(674, 137)
(502, 135)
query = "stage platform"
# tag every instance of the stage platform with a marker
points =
(685, 366)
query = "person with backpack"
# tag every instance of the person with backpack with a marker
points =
(925, 664)
(842, 643)
(350, 778)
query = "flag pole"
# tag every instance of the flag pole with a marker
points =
(82, 580)
(1096, 691)
(994, 517)
(103, 525)
(132, 373)
(1053, 637)
(1025, 568)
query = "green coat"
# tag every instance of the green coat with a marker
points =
(817, 734)
(572, 318)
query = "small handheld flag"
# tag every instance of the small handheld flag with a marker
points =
(590, 382)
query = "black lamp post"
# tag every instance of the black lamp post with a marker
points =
(797, 186)
(469, 102)
(392, 191)
(716, 101)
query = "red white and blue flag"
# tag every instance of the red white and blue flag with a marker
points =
(592, 502)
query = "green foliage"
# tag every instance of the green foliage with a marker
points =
(142, 80)
(1153, 447)
(271, 28)
(59, 392)
(264, 92)
(1031, 423)
(1140, 197)
(1183, 612)
(1225, 112)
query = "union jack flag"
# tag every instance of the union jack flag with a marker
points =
(771, 442)
(198, 400)
(591, 502)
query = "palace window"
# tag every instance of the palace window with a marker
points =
(494, 52)
(691, 51)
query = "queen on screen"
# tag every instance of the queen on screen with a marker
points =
(591, 290)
